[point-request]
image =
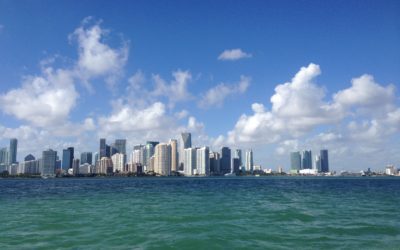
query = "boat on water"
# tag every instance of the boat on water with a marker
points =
(230, 174)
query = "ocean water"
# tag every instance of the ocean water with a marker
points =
(200, 213)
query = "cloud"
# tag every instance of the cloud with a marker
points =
(95, 57)
(233, 55)
(217, 95)
(367, 95)
(176, 90)
(299, 106)
(45, 100)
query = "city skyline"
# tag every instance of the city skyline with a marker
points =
(249, 80)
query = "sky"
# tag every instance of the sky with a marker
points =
(272, 76)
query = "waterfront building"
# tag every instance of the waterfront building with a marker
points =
(48, 163)
(104, 166)
(86, 157)
(390, 170)
(31, 167)
(324, 161)
(12, 157)
(67, 158)
(203, 161)
(184, 143)
(151, 164)
(225, 162)
(85, 168)
(214, 162)
(103, 148)
(118, 162)
(174, 155)
(306, 159)
(149, 152)
(4, 156)
(236, 165)
(190, 161)
(249, 161)
(238, 154)
(75, 166)
(295, 162)
(317, 163)
(162, 159)
(96, 158)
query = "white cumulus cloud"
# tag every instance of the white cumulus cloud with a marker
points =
(233, 55)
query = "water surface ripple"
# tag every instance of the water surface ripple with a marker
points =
(200, 213)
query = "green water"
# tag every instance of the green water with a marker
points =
(200, 213)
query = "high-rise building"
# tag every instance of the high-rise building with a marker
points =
(75, 166)
(190, 161)
(4, 156)
(225, 163)
(162, 159)
(249, 161)
(67, 158)
(184, 142)
(13, 151)
(104, 166)
(214, 162)
(174, 155)
(306, 160)
(236, 165)
(318, 163)
(324, 161)
(103, 148)
(295, 161)
(48, 164)
(96, 158)
(203, 161)
(120, 145)
(149, 152)
(32, 166)
(118, 162)
(238, 155)
(86, 157)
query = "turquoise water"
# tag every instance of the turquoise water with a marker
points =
(200, 213)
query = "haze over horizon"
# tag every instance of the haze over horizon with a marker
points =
(274, 76)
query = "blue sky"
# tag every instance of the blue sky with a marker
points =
(72, 71)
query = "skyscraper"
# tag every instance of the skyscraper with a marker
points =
(4, 156)
(203, 161)
(67, 158)
(318, 163)
(214, 162)
(236, 165)
(103, 148)
(295, 161)
(86, 157)
(120, 145)
(238, 155)
(13, 151)
(48, 164)
(225, 163)
(306, 160)
(324, 161)
(190, 161)
(118, 162)
(249, 160)
(162, 159)
(174, 155)
(184, 142)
